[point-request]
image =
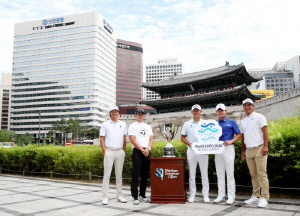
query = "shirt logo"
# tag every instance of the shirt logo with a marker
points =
(120, 126)
(143, 132)
(191, 126)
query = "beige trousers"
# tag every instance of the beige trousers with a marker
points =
(257, 164)
(110, 158)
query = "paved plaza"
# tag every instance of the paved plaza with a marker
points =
(38, 196)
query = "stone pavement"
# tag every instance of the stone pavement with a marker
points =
(37, 196)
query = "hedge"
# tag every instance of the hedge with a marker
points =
(283, 160)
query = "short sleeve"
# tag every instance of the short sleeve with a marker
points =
(102, 130)
(242, 131)
(150, 131)
(262, 121)
(236, 128)
(131, 130)
(183, 130)
(125, 129)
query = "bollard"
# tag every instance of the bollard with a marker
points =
(51, 174)
(90, 176)
(23, 172)
(0, 170)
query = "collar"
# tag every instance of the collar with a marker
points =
(251, 115)
(192, 120)
(111, 121)
(225, 119)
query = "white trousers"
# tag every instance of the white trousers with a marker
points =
(193, 160)
(225, 163)
(110, 158)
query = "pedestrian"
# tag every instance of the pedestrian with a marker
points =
(193, 158)
(225, 161)
(141, 137)
(255, 138)
(113, 143)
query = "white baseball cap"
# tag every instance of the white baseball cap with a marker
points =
(196, 106)
(221, 106)
(113, 108)
(248, 100)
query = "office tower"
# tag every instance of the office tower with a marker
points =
(129, 72)
(165, 67)
(5, 89)
(63, 67)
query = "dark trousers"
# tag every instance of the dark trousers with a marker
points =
(140, 167)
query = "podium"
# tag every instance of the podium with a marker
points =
(168, 180)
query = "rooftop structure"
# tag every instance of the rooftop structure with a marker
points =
(226, 84)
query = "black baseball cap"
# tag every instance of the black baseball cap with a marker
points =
(138, 110)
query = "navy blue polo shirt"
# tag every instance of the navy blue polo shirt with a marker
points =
(229, 128)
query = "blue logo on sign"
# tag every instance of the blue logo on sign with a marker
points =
(53, 21)
(160, 173)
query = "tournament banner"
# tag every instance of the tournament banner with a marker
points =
(208, 132)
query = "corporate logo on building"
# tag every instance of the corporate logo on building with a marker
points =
(107, 26)
(123, 46)
(53, 21)
(170, 173)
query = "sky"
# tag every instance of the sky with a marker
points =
(201, 34)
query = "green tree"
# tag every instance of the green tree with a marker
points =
(93, 133)
(60, 126)
(7, 136)
(74, 126)
(24, 139)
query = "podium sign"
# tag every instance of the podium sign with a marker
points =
(167, 180)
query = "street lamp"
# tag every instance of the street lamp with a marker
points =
(39, 127)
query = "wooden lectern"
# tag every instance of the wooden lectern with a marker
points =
(168, 180)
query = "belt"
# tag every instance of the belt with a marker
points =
(253, 147)
(113, 149)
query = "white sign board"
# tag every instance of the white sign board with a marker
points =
(208, 132)
(69, 135)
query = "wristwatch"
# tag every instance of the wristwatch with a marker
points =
(149, 148)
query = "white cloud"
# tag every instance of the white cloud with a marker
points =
(202, 34)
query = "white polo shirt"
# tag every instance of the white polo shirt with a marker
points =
(142, 133)
(114, 133)
(251, 128)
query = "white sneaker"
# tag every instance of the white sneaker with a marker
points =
(252, 200)
(135, 201)
(105, 201)
(206, 198)
(230, 201)
(263, 203)
(143, 199)
(121, 199)
(191, 199)
(219, 199)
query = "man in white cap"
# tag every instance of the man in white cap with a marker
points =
(141, 137)
(113, 143)
(225, 162)
(255, 138)
(193, 158)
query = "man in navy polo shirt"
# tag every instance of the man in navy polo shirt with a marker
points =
(225, 162)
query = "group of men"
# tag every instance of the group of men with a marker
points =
(254, 135)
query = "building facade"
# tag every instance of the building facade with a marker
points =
(279, 82)
(129, 72)
(5, 90)
(165, 68)
(293, 65)
(62, 67)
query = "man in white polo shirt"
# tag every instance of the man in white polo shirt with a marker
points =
(113, 142)
(141, 137)
(188, 130)
(255, 138)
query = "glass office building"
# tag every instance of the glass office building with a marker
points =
(62, 67)
(129, 72)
